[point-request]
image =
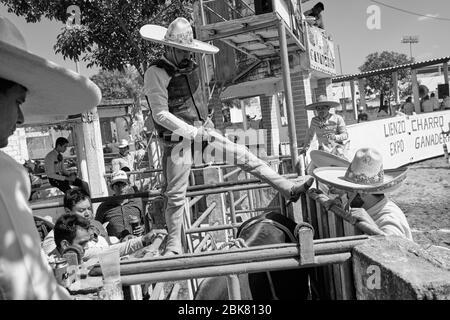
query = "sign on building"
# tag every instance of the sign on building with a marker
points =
(321, 51)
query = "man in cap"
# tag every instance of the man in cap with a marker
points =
(127, 159)
(366, 184)
(316, 13)
(328, 127)
(77, 202)
(120, 213)
(180, 114)
(43, 90)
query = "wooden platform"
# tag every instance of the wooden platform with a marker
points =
(256, 36)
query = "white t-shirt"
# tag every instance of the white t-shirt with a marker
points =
(95, 247)
(24, 271)
(390, 218)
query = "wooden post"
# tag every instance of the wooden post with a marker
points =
(91, 152)
(81, 153)
(244, 116)
(415, 90)
(445, 67)
(288, 96)
(395, 88)
(305, 238)
(234, 288)
(362, 93)
(354, 104)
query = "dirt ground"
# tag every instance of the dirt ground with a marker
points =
(424, 198)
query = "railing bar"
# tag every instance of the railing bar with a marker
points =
(229, 174)
(195, 200)
(280, 264)
(215, 13)
(204, 215)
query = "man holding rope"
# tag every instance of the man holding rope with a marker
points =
(172, 86)
(365, 184)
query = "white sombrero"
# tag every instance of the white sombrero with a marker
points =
(325, 159)
(365, 174)
(123, 143)
(322, 101)
(52, 91)
(179, 34)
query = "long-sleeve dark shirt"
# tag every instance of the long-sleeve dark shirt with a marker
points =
(118, 215)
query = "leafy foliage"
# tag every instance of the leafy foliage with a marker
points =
(119, 84)
(109, 33)
(383, 83)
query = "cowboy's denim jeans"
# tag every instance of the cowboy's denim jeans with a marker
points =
(177, 163)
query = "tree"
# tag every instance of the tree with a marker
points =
(126, 84)
(107, 34)
(383, 83)
(119, 84)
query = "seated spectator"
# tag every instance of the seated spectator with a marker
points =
(362, 116)
(126, 157)
(78, 203)
(71, 230)
(408, 107)
(427, 104)
(435, 101)
(446, 102)
(316, 13)
(119, 212)
(56, 171)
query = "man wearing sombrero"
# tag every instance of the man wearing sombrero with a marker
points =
(40, 88)
(172, 86)
(329, 128)
(366, 185)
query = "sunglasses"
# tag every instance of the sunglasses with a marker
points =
(119, 184)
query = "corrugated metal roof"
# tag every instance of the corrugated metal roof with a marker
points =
(413, 65)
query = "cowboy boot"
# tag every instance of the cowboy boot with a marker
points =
(301, 185)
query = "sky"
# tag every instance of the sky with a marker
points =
(345, 21)
(41, 37)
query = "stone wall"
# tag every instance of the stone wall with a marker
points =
(17, 146)
(393, 268)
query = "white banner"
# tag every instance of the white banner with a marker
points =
(402, 140)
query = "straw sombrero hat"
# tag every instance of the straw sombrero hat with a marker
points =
(123, 143)
(52, 91)
(365, 174)
(325, 159)
(322, 101)
(179, 35)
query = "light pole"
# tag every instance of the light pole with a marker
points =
(344, 107)
(410, 40)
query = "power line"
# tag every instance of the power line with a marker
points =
(410, 12)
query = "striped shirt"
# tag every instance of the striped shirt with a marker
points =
(333, 124)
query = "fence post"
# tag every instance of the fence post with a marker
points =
(234, 287)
